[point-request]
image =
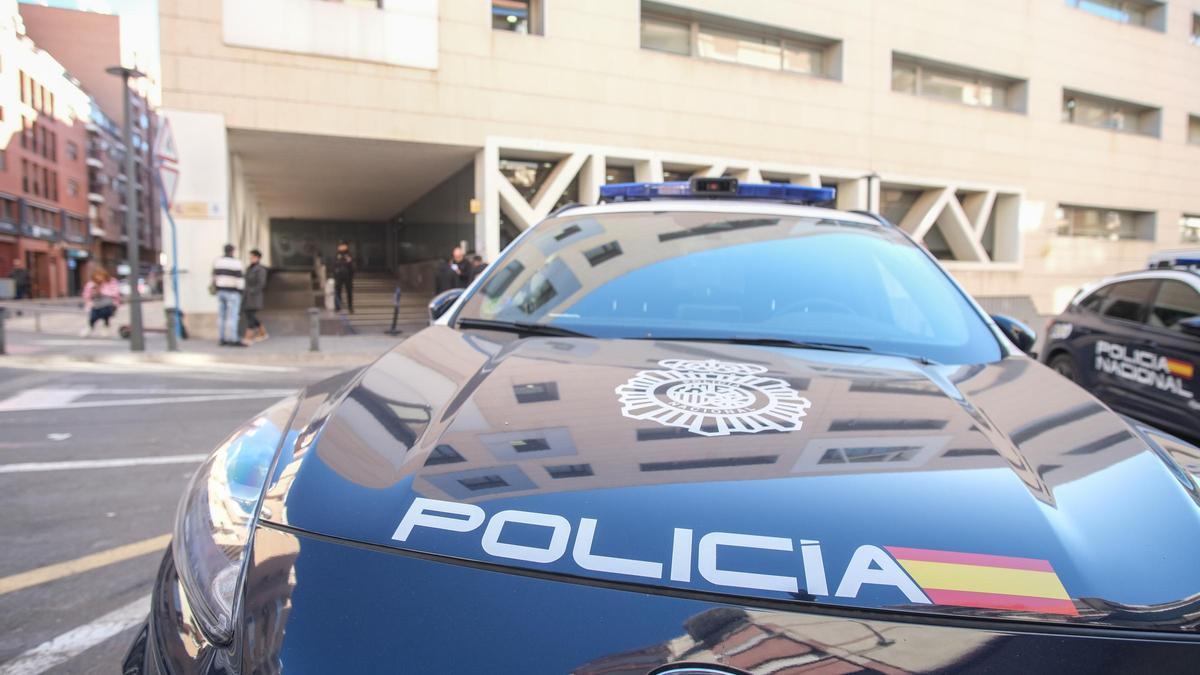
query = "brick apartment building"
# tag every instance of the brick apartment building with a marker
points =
(86, 43)
(43, 174)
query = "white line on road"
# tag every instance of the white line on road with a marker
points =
(74, 642)
(54, 399)
(68, 465)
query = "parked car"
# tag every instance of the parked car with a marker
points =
(701, 428)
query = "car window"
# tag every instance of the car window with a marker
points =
(1175, 302)
(714, 275)
(1092, 302)
(1128, 300)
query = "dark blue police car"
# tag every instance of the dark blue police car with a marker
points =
(703, 429)
(1133, 340)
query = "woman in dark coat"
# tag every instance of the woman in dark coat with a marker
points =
(252, 300)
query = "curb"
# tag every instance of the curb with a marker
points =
(264, 362)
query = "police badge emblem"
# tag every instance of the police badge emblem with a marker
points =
(713, 398)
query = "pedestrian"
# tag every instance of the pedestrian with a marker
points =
(256, 283)
(101, 297)
(20, 277)
(343, 277)
(477, 266)
(454, 273)
(227, 284)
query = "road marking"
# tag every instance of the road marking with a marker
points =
(70, 465)
(74, 642)
(68, 568)
(55, 399)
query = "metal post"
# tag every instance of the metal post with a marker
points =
(395, 314)
(314, 329)
(37, 321)
(137, 337)
(3, 312)
(162, 192)
(172, 320)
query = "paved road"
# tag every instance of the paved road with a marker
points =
(56, 513)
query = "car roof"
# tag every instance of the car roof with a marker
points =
(1187, 276)
(718, 205)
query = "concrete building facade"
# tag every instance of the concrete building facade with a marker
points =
(1032, 146)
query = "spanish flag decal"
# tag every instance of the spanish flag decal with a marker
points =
(1180, 368)
(985, 581)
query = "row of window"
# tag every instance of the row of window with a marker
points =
(1118, 224)
(36, 96)
(1158, 303)
(39, 139)
(38, 180)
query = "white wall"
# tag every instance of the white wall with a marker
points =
(201, 207)
(401, 33)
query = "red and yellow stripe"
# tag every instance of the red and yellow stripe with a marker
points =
(1181, 368)
(985, 581)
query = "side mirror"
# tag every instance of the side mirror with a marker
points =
(1191, 326)
(1021, 335)
(442, 302)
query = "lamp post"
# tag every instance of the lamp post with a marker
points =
(137, 338)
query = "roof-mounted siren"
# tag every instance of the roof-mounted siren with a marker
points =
(716, 188)
(1177, 260)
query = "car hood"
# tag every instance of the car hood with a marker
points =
(773, 475)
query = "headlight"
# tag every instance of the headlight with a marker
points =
(217, 514)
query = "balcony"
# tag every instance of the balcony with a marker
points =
(95, 198)
(94, 162)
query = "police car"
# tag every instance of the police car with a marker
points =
(700, 428)
(1133, 340)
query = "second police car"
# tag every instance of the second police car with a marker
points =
(702, 428)
(1133, 340)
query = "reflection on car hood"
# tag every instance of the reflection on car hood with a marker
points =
(997, 490)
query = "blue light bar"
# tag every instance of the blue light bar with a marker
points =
(716, 188)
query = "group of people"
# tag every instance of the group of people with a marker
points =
(458, 271)
(239, 292)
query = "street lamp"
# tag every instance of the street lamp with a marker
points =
(137, 338)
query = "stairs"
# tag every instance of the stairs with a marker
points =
(373, 307)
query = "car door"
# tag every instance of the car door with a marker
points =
(1177, 390)
(1117, 347)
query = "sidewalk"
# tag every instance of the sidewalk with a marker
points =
(59, 341)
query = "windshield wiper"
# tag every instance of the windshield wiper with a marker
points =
(792, 344)
(521, 328)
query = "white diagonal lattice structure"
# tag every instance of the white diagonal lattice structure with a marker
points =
(967, 224)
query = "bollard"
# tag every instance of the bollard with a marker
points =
(2, 313)
(314, 329)
(172, 317)
(37, 321)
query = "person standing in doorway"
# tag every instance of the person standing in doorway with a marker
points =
(256, 283)
(343, 277)
(454, 273)
(101, 297)
(20, 277)
(228, 280)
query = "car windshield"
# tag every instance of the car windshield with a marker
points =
(737, 276)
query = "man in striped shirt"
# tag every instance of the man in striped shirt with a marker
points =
(228, 281)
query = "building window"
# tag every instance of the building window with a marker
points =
(485, 482)
(72, 150)
(517, 16)
(1107, 113)
(1189, 229)
(531, 445)
(946, 82)
(443, 454)
(72, 187)
(1194, 129)
(1196, 29)
(619, 174)
(569, 471)
(1144, 13)
(667, 35)
(536, 392)
(666, 29)
(1102, 223)
(3, 159)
